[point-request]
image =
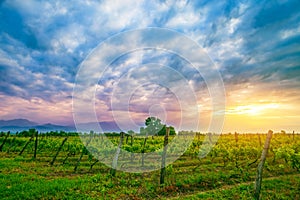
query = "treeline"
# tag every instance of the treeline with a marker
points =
(31, 132)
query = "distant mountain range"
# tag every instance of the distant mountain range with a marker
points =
(15, 125)
(17, 122)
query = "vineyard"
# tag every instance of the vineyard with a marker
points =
(64, 166)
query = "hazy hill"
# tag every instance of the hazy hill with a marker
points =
(15, 125)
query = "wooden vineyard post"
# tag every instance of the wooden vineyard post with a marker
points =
(115, 160)
(236, 138)
(131, 143)
(92, 165)
(293, 135)
(4, 140)
(31, 138)
(237, 147)
(59, 149)
(68, 155)
(163, 160)
(36, 144)
(261, 164)
(12, 143)
(259, 139)
(143, 150)
(210, 138)
(79, 160)
(127, 138)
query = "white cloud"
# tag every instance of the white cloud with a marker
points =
(285, 34)
(36, 109)
(184, 19)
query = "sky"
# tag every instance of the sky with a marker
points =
(254, 45)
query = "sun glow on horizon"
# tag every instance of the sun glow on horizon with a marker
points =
(253, 109)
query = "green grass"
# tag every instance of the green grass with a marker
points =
(20, 186)
(283, 187)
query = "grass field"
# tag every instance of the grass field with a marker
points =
(227, 172)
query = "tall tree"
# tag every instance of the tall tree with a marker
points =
(153, 125)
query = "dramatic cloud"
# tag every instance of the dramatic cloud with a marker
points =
(254, 45)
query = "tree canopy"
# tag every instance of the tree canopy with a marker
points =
(155, 127)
